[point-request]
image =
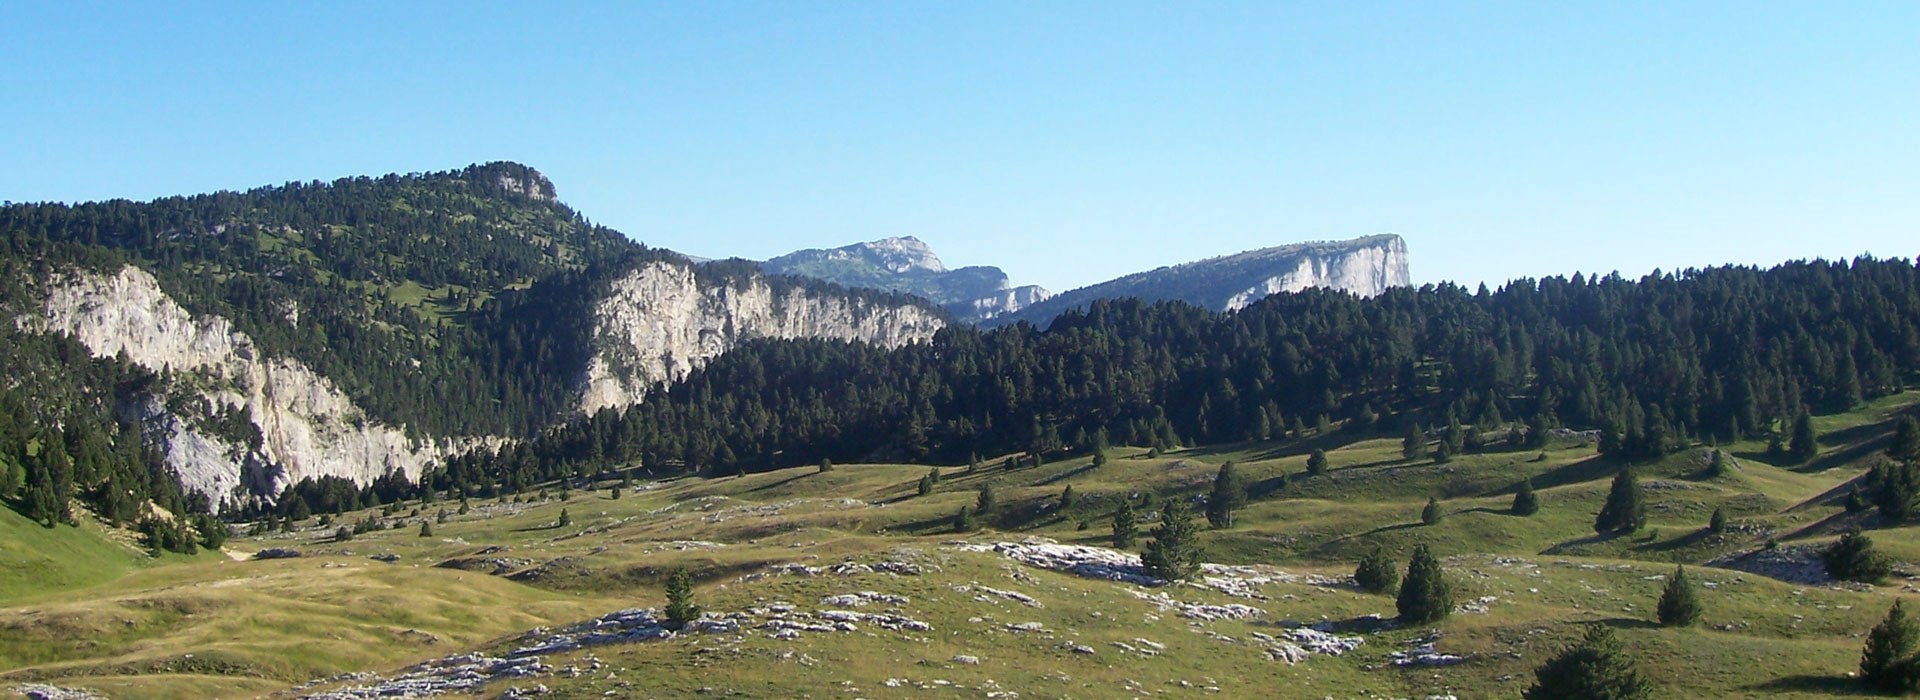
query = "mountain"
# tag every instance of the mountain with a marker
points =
(907, 264)
(1364, 266)
(246, 341)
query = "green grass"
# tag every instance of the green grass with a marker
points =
(87, 611)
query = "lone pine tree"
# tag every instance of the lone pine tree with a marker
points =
(1376, 573)
(1626, 508)
(1125, 529)
(1525, 501)
(1886, 659)
(680, 607)
(1174, 552)
(1595, 669)
(1425, 595)
(1227, 496)
(1680, 601)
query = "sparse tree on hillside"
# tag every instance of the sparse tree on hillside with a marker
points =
(1680, 601)
(426, 528)
(964, 522)
(1431, 514)
(925, 487)
(1894, 487)
(1626, 507)
(1853, 558)
(1718, 523)
(986, 501)
(1525, 501)
(680, 608)
(1721, 464)
(1317, 462)
(566, 518)
(1100, 448)
(1425, 595)
(1227, 496)
(1413, 443)
(826, 465)
(1595, 669)
(1174, 552)
(1885, 660)
(1066, 497)
(1125, 529)
(1377, 573)
(1804, 445)
(1905, 445)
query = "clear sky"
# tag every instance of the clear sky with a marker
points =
(1064, 142)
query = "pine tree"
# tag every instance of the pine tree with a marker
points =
(1626, 508)
(1905, 445)
(1100, 448)
(963, 521)
(1595, 669)
(1525, 501)
(680, 608)
(1718, 523)
(1066, 497)
(1317, 462)
(565, 518)
(1174, 552)
(1884, 659)
(1804, 446)
(1425, 595)
(1430, 515)
(986, 501)
(1227, 496)
(1720, 465)
(1443, 454)
(1376, 573)
(1125, 529)
(426, 528)
(926, 484)
(1853, 558)
(826, 465)
(1680, 601)
(1413, 443)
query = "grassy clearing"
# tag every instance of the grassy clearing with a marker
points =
(97, 614)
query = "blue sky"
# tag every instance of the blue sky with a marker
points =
(1065, 142)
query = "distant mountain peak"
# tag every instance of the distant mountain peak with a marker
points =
(907, 264)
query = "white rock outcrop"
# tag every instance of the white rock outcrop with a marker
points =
(1365, 271)
(308, 427)
(658, 323)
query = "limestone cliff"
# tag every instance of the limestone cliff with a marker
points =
(1364, 266)
(308, 428)
(659, 321)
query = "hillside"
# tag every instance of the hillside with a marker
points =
(1364, 266)
(846, 580)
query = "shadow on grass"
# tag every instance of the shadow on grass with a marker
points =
(1681, 542)
(1817, 685)
(1568, 546)
(1590, 469)
(1847, 455)
(1628, 623)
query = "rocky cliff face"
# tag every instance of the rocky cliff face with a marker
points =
(908, 265)
(1366, 269)
(308, 428)
(1364, 266)
(658, 323)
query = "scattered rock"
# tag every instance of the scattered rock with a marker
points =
(276, 553)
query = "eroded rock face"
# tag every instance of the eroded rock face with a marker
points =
(308, 428)
(658, 323)
(1364, 270)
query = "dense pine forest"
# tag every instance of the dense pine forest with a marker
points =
(1653, 364)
